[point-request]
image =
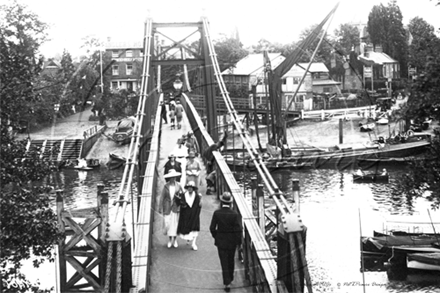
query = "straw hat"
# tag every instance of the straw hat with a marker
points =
(172, 173)
(226, 197)
(191, 154)
(171, 156)
(191, 184)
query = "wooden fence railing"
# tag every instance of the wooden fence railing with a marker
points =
(260, 264)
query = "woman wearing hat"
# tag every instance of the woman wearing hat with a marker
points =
(189, 220)
(192, 169)
(226, 229)
(172, 164)
(169, 206)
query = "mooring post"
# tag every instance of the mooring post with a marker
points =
(61, 243)
(341, 134)
(295, 189)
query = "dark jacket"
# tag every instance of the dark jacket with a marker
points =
(176, 167)
(226, 228)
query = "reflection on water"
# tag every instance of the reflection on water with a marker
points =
(332, 207)
(336, 210)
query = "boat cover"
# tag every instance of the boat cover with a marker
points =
(426, 258)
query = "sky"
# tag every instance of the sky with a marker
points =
(278, 21)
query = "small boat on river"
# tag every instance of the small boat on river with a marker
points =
(116, 161)
(371, 177)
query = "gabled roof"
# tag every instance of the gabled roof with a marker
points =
(376, 57)
(253, 64)
(299, 68)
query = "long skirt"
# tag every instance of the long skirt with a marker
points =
(170, 222)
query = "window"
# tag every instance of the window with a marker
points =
(114, 84)
(115, 70)
(296, 80)
(129, 53)
(115, 54)
(285, 81)
(327, 90)
(129, 69)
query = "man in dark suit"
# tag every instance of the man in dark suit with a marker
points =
(226, 229)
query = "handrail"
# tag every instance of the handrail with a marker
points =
(131, 158)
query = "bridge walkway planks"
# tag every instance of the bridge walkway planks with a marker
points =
(183, 269)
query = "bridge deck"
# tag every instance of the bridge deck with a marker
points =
(183, 269)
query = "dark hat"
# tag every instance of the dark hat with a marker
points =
(191, 184)
(226, 197)
(191, 154)
(172, 173)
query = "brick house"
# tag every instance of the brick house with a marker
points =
(127, 70)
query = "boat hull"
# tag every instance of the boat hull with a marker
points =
(347, 158)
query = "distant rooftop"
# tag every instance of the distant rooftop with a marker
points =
(124, 45)
(299, 68)
(253, 64)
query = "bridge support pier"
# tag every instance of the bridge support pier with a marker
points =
(87, 254)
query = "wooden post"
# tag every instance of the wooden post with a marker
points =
(254, 196)
(61, 243)
(260, 208)
(103, 210)
(295, 189)
(341, 134)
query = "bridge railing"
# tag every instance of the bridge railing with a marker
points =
(260, 264)
(146, 202)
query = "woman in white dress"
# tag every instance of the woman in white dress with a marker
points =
(169, 207)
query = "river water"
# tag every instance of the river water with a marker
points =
(336, 212)
(331, 205)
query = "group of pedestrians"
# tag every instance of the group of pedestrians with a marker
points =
(181, 210)
(175, 113)
(181, 204)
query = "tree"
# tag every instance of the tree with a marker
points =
(28, 224)
(385, 28)
(423, 43)
(324, 53)
(346, 39)
(423, 178)
(229, 51)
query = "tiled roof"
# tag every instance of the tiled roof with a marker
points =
(252, 64)
(301, 67)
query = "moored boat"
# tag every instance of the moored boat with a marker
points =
(423, 261)
(371, 177)
(116, 161)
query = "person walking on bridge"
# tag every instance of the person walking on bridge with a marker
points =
(179, 114)
(189, 221)
(169, 206)
(172, 164)
(226, 229)
(192, 169)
